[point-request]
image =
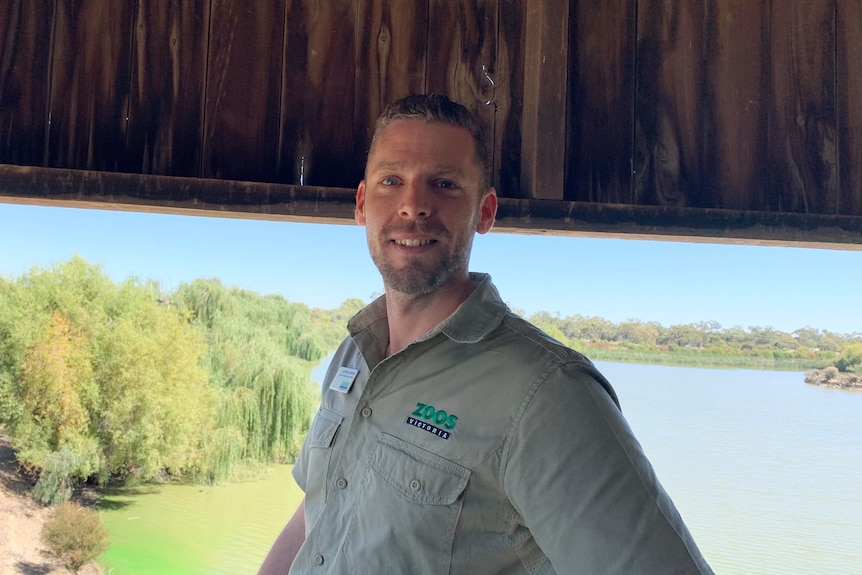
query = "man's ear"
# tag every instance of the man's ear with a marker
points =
(359, 212)
(487, 211)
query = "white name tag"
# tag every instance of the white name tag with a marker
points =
(343, 380)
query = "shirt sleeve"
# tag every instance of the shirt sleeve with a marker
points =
(579, 479)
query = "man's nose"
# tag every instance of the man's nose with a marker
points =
(415, 201)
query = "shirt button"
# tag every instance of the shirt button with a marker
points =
(366, 412)
(415, 485)
(318, 559)
(341, 483)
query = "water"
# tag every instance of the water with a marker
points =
(766, 471)
(197, 530)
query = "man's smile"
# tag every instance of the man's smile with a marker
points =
(414, 243)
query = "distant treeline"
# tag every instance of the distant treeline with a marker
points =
(122, 382)
(703, 343)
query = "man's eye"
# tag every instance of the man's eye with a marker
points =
(446, 184)
(389, 181)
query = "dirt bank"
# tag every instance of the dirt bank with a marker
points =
(21, 519)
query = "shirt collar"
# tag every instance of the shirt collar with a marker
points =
(476, 317)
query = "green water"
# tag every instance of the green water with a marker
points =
(196, 530)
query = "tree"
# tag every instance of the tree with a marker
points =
(851, 357)
(106, 381)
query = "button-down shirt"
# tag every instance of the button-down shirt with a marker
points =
(485, 446)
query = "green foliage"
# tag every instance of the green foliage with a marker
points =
(75, 535)
(54, 485)
(100, 373)
(260, 353)
(851, 357)
(701, 343)
(123, 382)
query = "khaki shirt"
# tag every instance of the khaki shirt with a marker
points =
(483, 447)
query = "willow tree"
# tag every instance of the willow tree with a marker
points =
(261, 351)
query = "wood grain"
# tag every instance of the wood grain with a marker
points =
(89, 98)
(317, 145)
(461, 55)
(735, 104)
(802, 121)
(601, 101)
(25, 44)
(849, 39)
(241, 122)
(509, 100)
(165, 133)
(543, 134)
(391, 57)
(668, 104)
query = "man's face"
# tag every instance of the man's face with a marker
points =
(421, 202)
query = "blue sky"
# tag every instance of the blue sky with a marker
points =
(322, 265)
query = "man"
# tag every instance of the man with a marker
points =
(453, 436)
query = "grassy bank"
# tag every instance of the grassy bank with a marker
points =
(695, 358)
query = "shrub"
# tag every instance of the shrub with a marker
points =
(54, 484)
(75, 535)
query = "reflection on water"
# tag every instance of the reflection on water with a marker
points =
(766, 471)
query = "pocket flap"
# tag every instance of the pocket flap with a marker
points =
(323, 428)
(418, 475)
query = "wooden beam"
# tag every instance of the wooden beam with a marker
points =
(176, 195)
(265, 201)
(671, 223)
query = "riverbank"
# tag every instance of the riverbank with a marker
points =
(21, 520)
(696, 358)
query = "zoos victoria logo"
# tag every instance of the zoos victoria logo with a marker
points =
(433, 420)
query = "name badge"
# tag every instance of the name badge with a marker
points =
(343, 380)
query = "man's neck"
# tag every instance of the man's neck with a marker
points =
(412, 316)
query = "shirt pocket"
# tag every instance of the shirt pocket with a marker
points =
(411, 503)
(320, 439)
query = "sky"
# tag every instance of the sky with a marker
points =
(322, 265)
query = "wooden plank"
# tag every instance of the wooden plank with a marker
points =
(668, 134)
(735, 100)
(461, 55)
(165, 133)
(543, 135)
(601, 101)
(25, 41)
(391, 56)
(849, 19)
(241, 126)
(89, 84)
(266, 201)
(509, 100)
(317, 145)
(802, 126)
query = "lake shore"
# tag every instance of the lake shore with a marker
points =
(692, 358)
(21, 520)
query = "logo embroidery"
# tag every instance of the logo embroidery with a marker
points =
(425, 416)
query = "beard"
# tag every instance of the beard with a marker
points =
(422, 277)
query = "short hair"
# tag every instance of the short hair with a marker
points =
(437, 108)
